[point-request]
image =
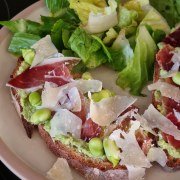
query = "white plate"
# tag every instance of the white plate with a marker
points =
(30, 158)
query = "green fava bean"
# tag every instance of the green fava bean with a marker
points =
(176, 78)
(111, 150)
(41, 116)
(35, 99)
(96, 147)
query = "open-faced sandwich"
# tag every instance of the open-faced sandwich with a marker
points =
(99, 133)
(166, 95)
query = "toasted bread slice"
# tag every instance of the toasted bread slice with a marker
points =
(88, 167)
(172, 163)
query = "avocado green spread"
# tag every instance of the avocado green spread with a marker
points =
(171, 150)
(78, 144)
(22, 68)
(27, 108)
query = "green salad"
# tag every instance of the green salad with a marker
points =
(122, 36)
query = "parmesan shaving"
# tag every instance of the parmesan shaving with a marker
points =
(135, 173)
(156, 120)
(167, 90)
(44, 48)
(60, 171)
(131, 154)
(158, 155)
(107, 110)
(65, 122)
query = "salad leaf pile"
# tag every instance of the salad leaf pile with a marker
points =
(122, 36)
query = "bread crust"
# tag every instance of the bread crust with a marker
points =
(86, 166)
(27, 125)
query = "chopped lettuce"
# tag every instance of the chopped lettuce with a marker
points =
(111, 35)
(103, 47)
(158, 35)
(155, 21)
(22, 25)
(100, 22)
(47, 24)
(89, 48)
(84, 7)
(121, 52)
(60, 33)
(170, 9)
(57, 7)
(126, 17)
(137, 5)
(140, 69)
(22, 41)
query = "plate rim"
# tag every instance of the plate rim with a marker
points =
(7, 157)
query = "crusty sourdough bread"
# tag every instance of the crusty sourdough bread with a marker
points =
(86, 166)
(90, 168)
(172, 163)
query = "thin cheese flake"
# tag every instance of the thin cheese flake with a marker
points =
(60, 170)
(156, 120)
(131, 154)
(44, 48)
(50, 96)
(65, 122)
(73, 101)
(144, 124)
(88, 85)
(53, 60)
(67, 96)
(135, 173)
(158, 155)
(167, 90)
(107, 110)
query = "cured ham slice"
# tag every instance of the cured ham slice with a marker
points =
(164, 57)
(90, 130)
(174, 38)
(57, 73)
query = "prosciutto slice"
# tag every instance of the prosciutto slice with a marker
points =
(164, 57)
(174, 38)
(57, 73)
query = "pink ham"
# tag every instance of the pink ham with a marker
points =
(174, 38)
(57, 73)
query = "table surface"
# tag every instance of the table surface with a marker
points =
(8, 9)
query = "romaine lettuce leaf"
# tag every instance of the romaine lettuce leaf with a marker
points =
(126, 17)
(84, 7)
(22, 41)
(57, 7)
(170, 9)
(138, 6)
(88, 48)
(156, 21)
(139, 70)
(111, 35)
(22, 25)
(100, 22)
(121, 52)
(60, 33)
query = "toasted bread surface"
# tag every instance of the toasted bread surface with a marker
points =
(172, 163)
(86, 166)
